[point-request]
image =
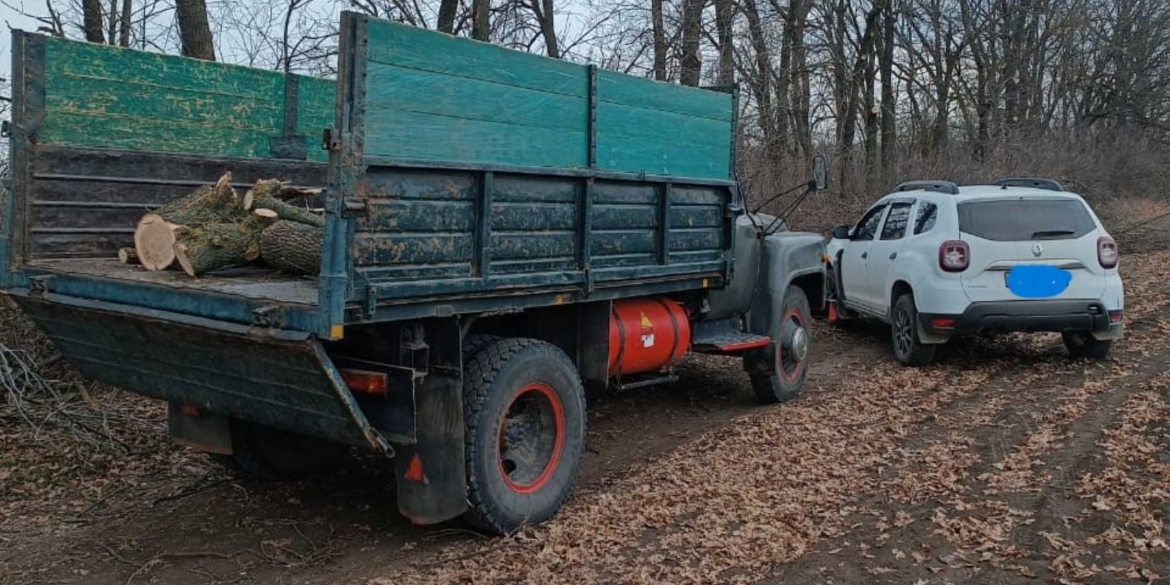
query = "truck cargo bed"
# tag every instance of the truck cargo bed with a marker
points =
(252, 282)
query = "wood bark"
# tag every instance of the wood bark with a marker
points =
(270, 194)
(91, 18)
(446, 20)
(124, 31)
(212, 246)
(292, 247)
(659, 31)
(194, 30)
(692, 27)
(481, 24)
(544, 13)
(889, 128)
(128, 256)
(157, 232)
(724, 18)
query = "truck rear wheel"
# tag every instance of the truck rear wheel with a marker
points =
(525, 412)
(272, 454)
(778, 375)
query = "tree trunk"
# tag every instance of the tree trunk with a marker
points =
(292, 247)
(848, 120)
(218, 245)
(446, 21)
(194, 30)
(889, 105)
(803, 93)
(91, 16)
(124, 33)
(659, 40)
(481, 23)
(761, 84)
(270, 194)
(548, 29)
(870, 115)
(157, 232)
(128, 256)
(724, 19)
(692, 27)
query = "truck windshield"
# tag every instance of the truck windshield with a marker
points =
(1026, 219)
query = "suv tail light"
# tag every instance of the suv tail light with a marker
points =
(954, 256)
(1107, 253)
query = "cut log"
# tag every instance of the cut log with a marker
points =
(157, 232)
(292, 247)
(128, 256)
(257, 198)
(218, 245)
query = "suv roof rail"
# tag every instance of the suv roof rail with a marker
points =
(937, 186)
(1035, 183)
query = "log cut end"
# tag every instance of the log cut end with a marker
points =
(154, 242)
(128, 256)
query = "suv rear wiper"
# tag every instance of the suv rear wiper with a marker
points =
(1051, 233)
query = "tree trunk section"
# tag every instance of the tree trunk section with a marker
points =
(269, 194)
(292, 247)
(446, 20)
(889, 128)
(128, 256)
(219, 245)
(194, 30)
(724, 18)
(124, 32)
(692, 25)
(157, 232)
(548, 27)
(91, 16)
(481, 23)
(659, 39)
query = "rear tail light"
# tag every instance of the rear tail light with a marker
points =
(1107, 253)
(1115, 316)
(366, 382)
(954, 256)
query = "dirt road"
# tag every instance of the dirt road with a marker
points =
(1006, 463)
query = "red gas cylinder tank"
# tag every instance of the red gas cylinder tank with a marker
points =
(646, 335)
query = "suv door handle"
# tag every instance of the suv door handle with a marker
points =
(864, 255)
(893, 255)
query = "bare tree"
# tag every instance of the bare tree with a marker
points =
(692, 28)
(481, 24)
(92, 21)
(194, 30)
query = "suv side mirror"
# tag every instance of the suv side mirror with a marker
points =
(820, 173)
(841, 232)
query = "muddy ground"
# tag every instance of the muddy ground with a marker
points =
(1007, 462)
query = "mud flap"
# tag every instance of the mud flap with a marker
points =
(431, 474)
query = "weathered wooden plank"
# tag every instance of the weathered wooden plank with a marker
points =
(159, 167)
(532, 189)
(634, 154)
(617, 121)
(696, 217)
(392, 88)
(533, 216)
(611, 242)
(531, 245)
(72, 60)
(372, 249)
(624, 193)
(444, 138)
(616, 88)
(85, 217)
(646, 259)
(415, 272)
(696, 239)
(399, 215)
(155, 135)
(533, 266)
(624, 217)
(420, 184)
(103, 97)
(407, 46)
(315, 112)
(698, 196)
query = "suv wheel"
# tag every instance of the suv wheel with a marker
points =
(908, 348)
(1083, 345)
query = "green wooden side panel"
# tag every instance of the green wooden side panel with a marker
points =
(662, 129)
(109, 97)
(434, 97)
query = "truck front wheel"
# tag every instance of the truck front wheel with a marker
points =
(525, 412)
(778, 373)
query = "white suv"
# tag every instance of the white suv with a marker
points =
(935, 261)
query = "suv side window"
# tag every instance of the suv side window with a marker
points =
(867, 227)
(924, 222)
(896, 220)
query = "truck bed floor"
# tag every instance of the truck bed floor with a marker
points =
(246, 281)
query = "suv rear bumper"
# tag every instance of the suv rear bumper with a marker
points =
(1025, 316)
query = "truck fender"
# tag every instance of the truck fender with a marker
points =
(786, 258)
(431, 473)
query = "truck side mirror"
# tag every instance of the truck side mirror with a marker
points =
(841, 232)
(820, 173)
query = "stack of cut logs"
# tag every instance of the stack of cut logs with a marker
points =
(214, 227)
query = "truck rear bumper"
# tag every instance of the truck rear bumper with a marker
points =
(278, 378)
(1025, 316)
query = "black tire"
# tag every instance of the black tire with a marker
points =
(908, 348)
(525, 412)
(1082, 345)
(776, 374)
(475, 342)
(276, 455)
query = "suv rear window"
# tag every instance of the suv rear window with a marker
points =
(1015, 220)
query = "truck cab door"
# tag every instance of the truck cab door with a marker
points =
(883, 252)
(853, 264)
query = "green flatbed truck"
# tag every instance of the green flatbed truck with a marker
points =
(502, 230)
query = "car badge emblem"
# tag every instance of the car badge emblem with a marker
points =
(1037, 249)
